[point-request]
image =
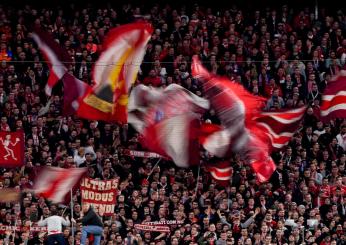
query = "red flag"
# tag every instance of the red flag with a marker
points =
(257, 154)
(334, 98)
(114, 73)
(56, 183)
(236, 109)
(54, 55)
(11, 149)
(277, 128)
(167, 127)
(233, 105)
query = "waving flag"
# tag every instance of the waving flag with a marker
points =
(74, 90)
(279, 127)
(334, 98)
(235, 108)
(54, 55)
(168, 120)
(56, 183)
(114, 73)
(233, 105)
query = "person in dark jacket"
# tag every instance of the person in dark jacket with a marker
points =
(92, 224)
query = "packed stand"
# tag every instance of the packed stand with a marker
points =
(286, 55)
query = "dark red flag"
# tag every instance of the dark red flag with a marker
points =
(55, 56)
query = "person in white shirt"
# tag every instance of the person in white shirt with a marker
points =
(54, 225)
(79, 156)
(342, 137)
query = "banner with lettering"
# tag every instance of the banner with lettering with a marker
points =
(146, 154)
(164, 222)
(4, 228)
(102, 194)
(156, 228)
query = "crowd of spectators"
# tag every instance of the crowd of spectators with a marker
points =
(286, 54)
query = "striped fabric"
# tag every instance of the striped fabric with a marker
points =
(220, 171)
(334, 98)
(55, 183)
(279, 127)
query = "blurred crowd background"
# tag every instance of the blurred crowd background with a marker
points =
(286, 54)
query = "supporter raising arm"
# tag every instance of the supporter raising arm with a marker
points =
(54, 225)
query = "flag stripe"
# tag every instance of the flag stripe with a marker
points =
(221, 171)
(336, 100)
(277, 130)
(338, 107)
(331, 97)
(219, 177)
(330, 103)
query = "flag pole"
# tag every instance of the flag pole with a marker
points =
(72, 228)
(199, 169)
(152, 170)
(15, 227)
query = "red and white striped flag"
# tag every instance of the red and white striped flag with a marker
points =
(55, 183)
(279, 127)
(334, 98)
(168, 120)
(54, 55)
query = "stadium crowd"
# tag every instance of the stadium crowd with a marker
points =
(285, 54)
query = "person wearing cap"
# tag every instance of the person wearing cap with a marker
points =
(54, 225)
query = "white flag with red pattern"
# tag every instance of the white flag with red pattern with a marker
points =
(168, 120)
(55, 183)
